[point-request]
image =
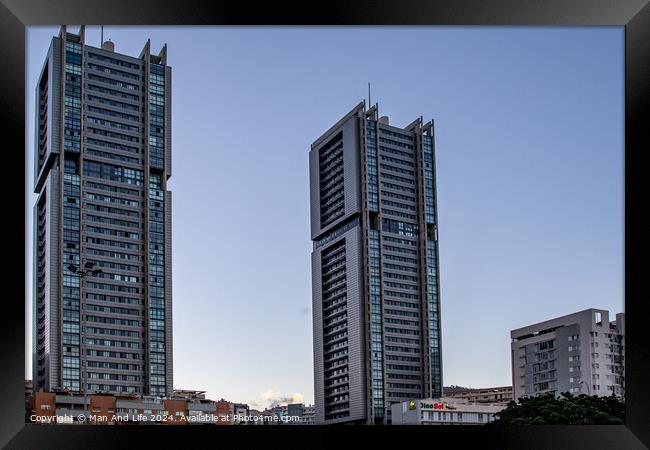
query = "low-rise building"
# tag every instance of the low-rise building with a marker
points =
(443, 411)
(291, 414)
(580, 353)
(189, 394)
(223, 411)
(255, 417)
(295, 410)
(308, 415)
(494, 395)
(240, 414)
(183, 407)
(109, 409)
(268, 417)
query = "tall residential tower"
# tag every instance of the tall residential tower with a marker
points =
(375, 273)
(102, 161)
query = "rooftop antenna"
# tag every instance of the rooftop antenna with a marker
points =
(369, 103)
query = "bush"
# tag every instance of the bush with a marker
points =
(565, 410)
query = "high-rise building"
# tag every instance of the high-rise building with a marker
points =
(102, 161)
(375, 272)
(581, 353)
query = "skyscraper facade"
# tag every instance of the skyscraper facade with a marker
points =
(102, 161)
(375, 271)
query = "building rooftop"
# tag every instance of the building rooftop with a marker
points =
(550, 325)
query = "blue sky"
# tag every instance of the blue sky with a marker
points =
(529, 141)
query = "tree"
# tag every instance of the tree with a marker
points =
(565, 410)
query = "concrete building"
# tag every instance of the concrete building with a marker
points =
(281, 412)
(375, 271)
(496, 395)
(308, 415)
(296, 410)
(290, 414)
(255, 416)
(268, 417)
(189, 394)
(443, 411)
(240, 413)
(230, 413)
(223, 410)
(581, 353)
(124, 408)
(101, 165)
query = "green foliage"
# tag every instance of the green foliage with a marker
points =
(565, 410)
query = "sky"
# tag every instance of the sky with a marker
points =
(529, 141)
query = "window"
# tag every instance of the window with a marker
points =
(401, 228)
(598, 318)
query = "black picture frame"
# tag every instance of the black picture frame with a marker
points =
(634, 15)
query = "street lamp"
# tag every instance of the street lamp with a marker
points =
(88, 269)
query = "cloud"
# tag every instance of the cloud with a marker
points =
(269, 394)
(254, 404)
(274, 398)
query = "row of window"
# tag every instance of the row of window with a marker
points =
(111, 221)
(114, 173)
(112, 343)
(111, 199)
(108, 59)
(113, 156)
(110, 112)
(121, 73)
(112, 145)
(111, 134)
(113, 82)
(115, 103)
(113, 93)
(112, 124)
